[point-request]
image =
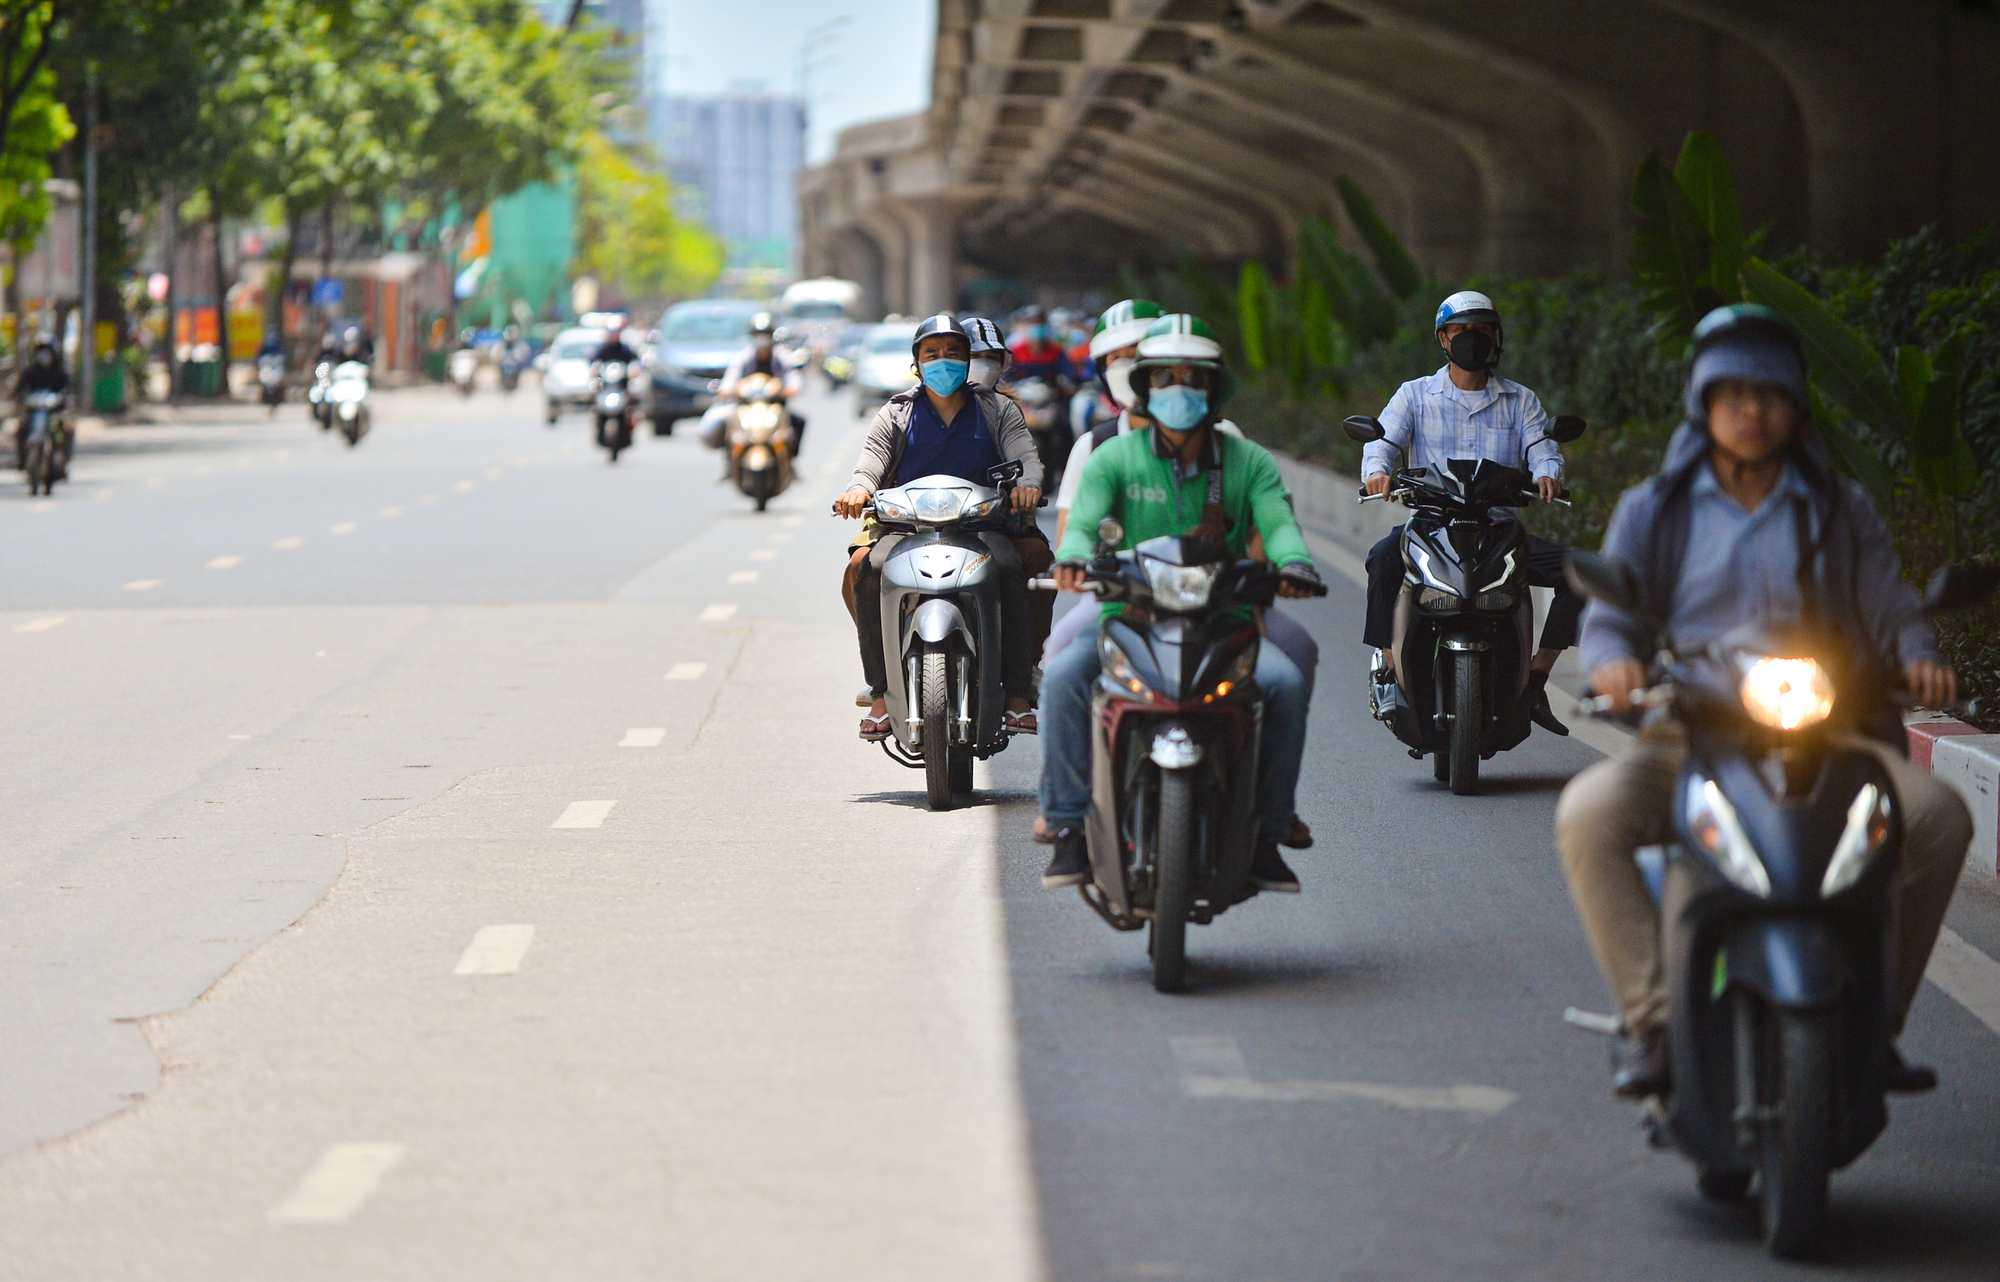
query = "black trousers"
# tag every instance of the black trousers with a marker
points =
(1017, 645)
(1545, 570)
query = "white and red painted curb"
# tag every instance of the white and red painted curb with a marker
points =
(1966, 759)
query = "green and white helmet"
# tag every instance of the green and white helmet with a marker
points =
(1122, 325)
(1182, 339)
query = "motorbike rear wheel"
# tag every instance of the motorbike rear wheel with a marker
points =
(1797, 1159)
(1468, 715)
(935, 707)
(1173, 852)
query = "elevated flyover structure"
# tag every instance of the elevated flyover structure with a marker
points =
(1068, 138)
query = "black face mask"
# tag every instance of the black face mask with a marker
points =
(1473, 351)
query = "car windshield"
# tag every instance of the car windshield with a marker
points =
(578, 349)
(817, 311)
(707, 324)
(889, 342)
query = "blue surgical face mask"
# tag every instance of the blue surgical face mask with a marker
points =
(944, 377)
(1178, 408)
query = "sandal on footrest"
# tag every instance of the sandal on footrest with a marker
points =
(875, 729)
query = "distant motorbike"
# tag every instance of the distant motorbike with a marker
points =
(1465, 618)
(512, 361)
(1777, 907)
(271, 378)
(941, 627)
(1047, 417)
(347, 399)
(464, 370)
(613, 408)
(1175, 723)
(46, 443)
(317, 399)
(759, 434)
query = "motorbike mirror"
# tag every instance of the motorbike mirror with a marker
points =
(1961, 587)
(1603, 579)
(1566, 428)
(1363, 428)
(1110, 533)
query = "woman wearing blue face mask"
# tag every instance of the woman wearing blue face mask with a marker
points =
(946, 425)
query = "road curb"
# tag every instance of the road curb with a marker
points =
(1967, 760)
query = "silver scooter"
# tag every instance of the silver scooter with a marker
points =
(941, 627)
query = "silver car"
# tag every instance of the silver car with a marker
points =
(566, 383)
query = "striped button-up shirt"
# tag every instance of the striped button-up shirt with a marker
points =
(1432, 420)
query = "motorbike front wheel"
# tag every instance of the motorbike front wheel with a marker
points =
(935, 707)
(38, 468)
(1173, 852)
(1467, 716)
(1797, 1159)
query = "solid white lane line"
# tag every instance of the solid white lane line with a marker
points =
(495, 950)
(463, 487)
(716, 614)
(390, 513)
(1968, 976)
(143, 585)
(1214, 1068)
(584, 814)
(686, 671)
(43, 624)
(743, 576)
(345, 527)
(764, 554)
(344, 1178)
(643, 737)
(286, 545)
(1325, 549)
(222, 563)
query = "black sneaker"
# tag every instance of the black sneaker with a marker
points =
(1071, 864)
(1269, 872)
(1906, 1078)
(1543, 715)
(1645, 1066)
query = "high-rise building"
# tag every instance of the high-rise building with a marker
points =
(735, 160)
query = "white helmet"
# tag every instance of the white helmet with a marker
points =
(1466, 307)
(1472, 350)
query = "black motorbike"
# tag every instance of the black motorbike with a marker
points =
(613, 407)
(1465, 619)
(1777, 908)
(1175, 723)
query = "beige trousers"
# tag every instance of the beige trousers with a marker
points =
(1616, 806)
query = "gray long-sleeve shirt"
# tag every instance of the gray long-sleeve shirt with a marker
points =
(891, 430)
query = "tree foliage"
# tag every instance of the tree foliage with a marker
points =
(628, 236)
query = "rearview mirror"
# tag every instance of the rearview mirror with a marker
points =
(1363, 428)
(1566, 428)
(1961, 587)
(1603, 579)
(1109, 534)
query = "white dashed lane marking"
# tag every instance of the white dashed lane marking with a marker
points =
(1214, 1068)
(764, 554)
(643, 737)
(686, 671)
(584, 814)
(222, 563)
(1968, 976)
(345, 527)
(286, 545)
(495, 950)
(743, 576)
(43, 624)
(717, 613)
(143, 585)
(338, 1185)
(390, 513)
(463, 487)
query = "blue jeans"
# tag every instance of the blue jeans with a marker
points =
(1064, 719)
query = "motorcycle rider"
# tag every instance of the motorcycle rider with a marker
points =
(357, 345)
(989, 352)
(614, 346)
(989, 362)
(1034, 350)
(273, 344)
(765, 355)
(43, 373)
(1466, 411)
(1234, 487)
(1748, 524)
(943, 426)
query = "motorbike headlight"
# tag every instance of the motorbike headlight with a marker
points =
(348, 409)
(987, 508)
(939, 504)
(1180, 587)
(1712, 823)
(890, 510)
(1787, 694)
(1117, 665)
(1494, 601)
(614, 371)
(1439, 599)
(1867, 831)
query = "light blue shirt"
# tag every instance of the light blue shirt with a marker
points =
(1432, 420)
(1740, 567)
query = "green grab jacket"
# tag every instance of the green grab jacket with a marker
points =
(1125, 479)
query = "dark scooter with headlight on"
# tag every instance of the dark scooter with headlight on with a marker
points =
(1175, 720)
(1465, 618)
(1778, 904)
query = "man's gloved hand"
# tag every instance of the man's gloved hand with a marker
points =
(1299, 579)
(1069, 575)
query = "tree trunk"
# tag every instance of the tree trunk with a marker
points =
(294, 224)
(170, 252)
(221, 287)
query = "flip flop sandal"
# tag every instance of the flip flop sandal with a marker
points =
(875, 729)
(1018, 722)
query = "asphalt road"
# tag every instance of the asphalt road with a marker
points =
(451, 858)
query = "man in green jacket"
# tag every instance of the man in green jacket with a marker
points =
(1178, 478)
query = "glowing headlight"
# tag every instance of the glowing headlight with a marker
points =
(939, 504)
(1180, 587)
(1787, 694)
(614, 371)
(1866, 832)
(348, 409)
(1439, 599)
(1712, 822)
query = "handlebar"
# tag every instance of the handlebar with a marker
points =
(1599, 705)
